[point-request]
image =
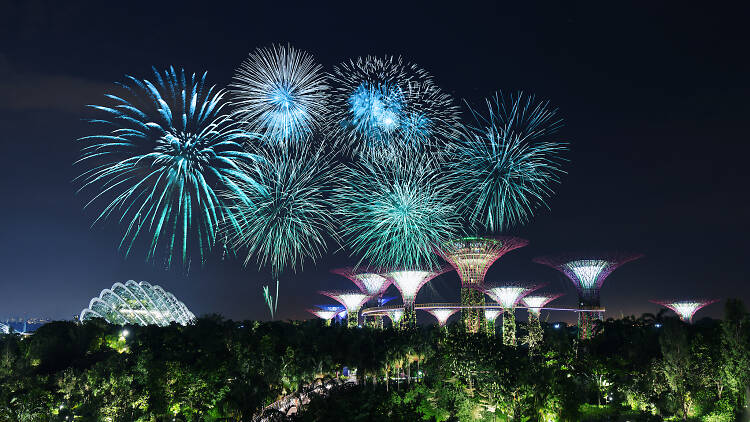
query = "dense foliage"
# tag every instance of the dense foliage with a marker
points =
(648, 368)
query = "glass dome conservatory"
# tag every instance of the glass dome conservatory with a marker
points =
(137, 303)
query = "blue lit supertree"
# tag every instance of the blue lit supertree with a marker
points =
(280, 93)
(167, 149)
(507, 161)
(382, 104)
(396, 212)
(282, 213)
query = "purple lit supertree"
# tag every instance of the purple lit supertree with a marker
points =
(472, 257)
(326, 316)
(587, 272)
(508, 295)
(352, 301)
(685, 308)
(534, 304)
(408, 282)
(441, 314)
(370, 283)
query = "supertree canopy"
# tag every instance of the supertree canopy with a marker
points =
(381, 105)
(326, 316)
(167, 152)
(472, 257)
(352, 301)
(536, 302)
(587, 273)
(490, 315)
(283, 214)
(368, 281)
(137, 303)
(396, 212)
(408, 282)
(441, 314)
(280, 93)
(508, 295)
(395, 315)
(507, 161)
(685, 308)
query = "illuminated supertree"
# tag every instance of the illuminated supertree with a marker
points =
(340, 311)
(508, 160)
(685, 308)
(472, 257)
(395, 316)
(408, 282)
(280, 93)
(441, 314)
(166, 151)
(352, 301)
(326, 316)
(508, 295)
(370, 283)
(587, 274)
(490, 315)
(534, 305)
(381, 105)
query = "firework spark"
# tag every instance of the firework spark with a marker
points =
(384, 104)
(395, 213)
(508, 161)
(280, 93)
(167, 151)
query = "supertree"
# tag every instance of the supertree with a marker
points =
(166, 152)
(352, 301)
(283, 214)
(507, 161)
(280, 93)
(587, 272)
(395, 213)
(490, 315)
(395, 315)
(534, 305)
(441, 313)
(408, 282)
(685, 308)
(340, 311)
(382, 105)
(326, 316)
(369, 282)
(472, 257)
(508, 295)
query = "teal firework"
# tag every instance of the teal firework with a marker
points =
(507, 162)
(396, 212)
(283, 214)
(165, 150)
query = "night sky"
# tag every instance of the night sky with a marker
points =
(654, 99)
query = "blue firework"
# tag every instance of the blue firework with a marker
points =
(280, 93)
(383, 104)
(165, 151)
(507, 162)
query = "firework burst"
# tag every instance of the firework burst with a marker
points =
(381, 104)
(396, 212)
(508, 161)
(283, 212)
(167, 149)
(280, 93)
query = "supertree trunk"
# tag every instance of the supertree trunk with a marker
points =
(536, 334)
(509, 328)
(409, 320)
(473, 318)
(352, 319)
